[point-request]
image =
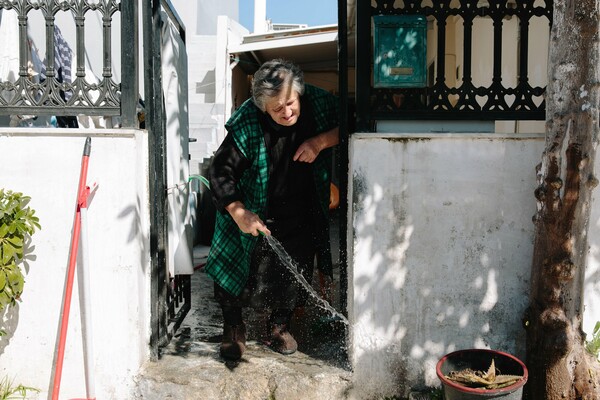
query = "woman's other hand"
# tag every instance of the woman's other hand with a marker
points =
(246, 220)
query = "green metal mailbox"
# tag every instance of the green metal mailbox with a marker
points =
(400, 51)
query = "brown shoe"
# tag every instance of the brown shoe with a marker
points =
(233, 344)
(281, 339)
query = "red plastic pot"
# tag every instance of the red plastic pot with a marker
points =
(480, 360)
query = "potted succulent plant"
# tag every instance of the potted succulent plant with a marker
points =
(475, 374)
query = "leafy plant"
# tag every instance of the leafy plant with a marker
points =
(593, 346)
(17, 223)
(8, 391)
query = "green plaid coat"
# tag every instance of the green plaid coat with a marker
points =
(230, 252)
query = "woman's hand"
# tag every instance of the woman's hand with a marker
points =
(310, 148)
(307, 151)
(246, 220)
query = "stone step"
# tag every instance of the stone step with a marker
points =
(190, 366)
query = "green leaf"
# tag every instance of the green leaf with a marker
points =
(593, 346)
(2, 280)
(17, 286)
(3, 230)
(16, 280)
(5, 299)
(7, 253)
(16, 241)
(597, 328)
(20, 226)
(14, 274)
(24, 201)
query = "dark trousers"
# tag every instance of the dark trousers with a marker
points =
(271, 286)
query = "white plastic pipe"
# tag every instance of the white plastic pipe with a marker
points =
(86, 308)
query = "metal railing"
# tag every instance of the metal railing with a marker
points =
(55, 90)
(465, 100)
(179, 301)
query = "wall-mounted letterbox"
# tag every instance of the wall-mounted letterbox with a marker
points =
(400, 51)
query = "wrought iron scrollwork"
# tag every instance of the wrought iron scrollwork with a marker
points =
(465, 101)
(52, 94)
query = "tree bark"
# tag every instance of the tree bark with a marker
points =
(558, 363)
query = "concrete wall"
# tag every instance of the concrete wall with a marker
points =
(440, 248)
(210, 92)
(45, 164)
(209, 9)
(204, 111)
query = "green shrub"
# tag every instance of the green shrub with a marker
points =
(17, 223)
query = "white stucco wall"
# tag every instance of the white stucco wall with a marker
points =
(441, 244)
(45, 164)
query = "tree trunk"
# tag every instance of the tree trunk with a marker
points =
(559, 366)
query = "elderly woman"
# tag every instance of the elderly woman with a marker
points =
(271, 176)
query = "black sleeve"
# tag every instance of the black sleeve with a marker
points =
(226, 168)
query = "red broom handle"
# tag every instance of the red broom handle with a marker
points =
(81, 202)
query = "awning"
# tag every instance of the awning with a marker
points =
(313, 48)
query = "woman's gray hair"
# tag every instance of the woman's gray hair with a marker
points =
(272, 78)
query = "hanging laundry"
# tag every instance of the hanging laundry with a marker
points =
(35, 65)
(9, 68)
(9, 51)
(63, 57)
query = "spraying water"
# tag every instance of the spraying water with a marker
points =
(286, 259)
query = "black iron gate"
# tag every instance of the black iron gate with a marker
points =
(170, 296)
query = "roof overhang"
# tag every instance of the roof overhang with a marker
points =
(313, 48)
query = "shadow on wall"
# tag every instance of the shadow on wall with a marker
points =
(132, 212)
(10, 319)
(442, 254)
(9, 315)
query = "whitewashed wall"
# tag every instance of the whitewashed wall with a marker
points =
(440, 251)
(45, 164)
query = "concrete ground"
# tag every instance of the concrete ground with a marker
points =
(190, 366)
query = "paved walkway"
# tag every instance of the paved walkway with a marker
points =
(190, 366)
